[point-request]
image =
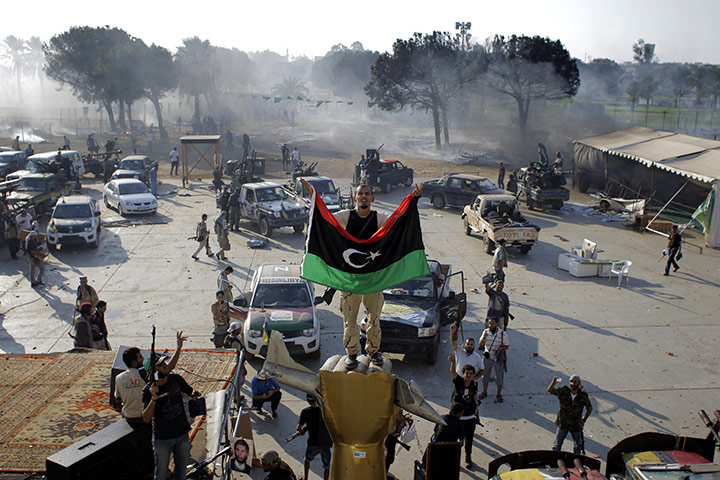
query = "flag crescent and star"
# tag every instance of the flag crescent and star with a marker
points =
(392, 255)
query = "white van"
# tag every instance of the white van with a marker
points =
(36, 162)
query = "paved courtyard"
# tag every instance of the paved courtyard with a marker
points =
(647, 353)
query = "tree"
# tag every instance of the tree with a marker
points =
(647, 86)
(644, 53)
(529, 69)
(194, 60)
(675, 76)
(36, 61)
(424, 73)
(633, 91)
(77, 58)
(600, 77)
(16, 51)
(345, 73)
(160, 76)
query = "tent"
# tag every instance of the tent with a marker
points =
(648, 163)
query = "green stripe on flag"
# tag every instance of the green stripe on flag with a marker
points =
(412, 265)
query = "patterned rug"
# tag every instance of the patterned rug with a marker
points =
(57, 402)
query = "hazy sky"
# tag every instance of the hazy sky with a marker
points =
(683, 31)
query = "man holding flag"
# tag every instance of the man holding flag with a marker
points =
(361, 252)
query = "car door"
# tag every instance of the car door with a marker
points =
(453, 306)
(453, 190)
(113, 197)
(473, 214)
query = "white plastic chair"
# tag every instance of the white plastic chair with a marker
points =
(620, 268)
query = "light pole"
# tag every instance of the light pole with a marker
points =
(464, 36)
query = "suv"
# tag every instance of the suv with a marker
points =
(135, 166)
(10, 162)
(279, 300)
(39, 190)
(45, 163)
(75, 219)
(414, 311)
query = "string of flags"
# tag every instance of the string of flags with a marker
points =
(298, 98)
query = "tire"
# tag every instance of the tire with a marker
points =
(387, 187)
(408, 181)
(52, 246)
(468, 230)
(438, 201)
(299, 228)
(489, 245)
(96, 243)
(525, 249)
(558, 204)
(431, 356)
(604, 205)
(265, 228)
(105, 201)
(583, 184)
(120, 210)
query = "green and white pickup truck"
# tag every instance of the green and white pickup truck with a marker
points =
(498, 216)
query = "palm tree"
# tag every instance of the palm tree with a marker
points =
(289, 86)
(16, 51)
(194, 59)
(36, 61)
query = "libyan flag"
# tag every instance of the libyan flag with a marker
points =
(394, 254)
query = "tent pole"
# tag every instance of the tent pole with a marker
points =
(663, 208)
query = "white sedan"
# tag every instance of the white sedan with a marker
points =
(129, 195)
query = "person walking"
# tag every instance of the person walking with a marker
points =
(466, 355)
(674, 250)
(296, 159)
(221, 315)
(223, 235)
(573, 400)
(501, 176)
(35, 255)
(174, 160)
(99, 328)
(85, 293)
(465, 393)
(319, 441)
(11, 231)
(162, 401)
(495, 342)
(83, 329)
(234, 202)
(203, 237)
(285, 151)
(24, 220)
(16, 143)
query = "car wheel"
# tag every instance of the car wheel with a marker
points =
(438, 201)
(105, 201)
(489, 245)
(408, 181)
(52, 246)
(431, 356)
(531, 204)
(96, 243)
(299, 228)
(120, 210)
(525, 249)
(387, 187)
(468, 230)
(265, 228)
(558, 204)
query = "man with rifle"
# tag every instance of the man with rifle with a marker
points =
(319, 441)
(573, 400)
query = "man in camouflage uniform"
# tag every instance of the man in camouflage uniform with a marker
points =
(573, 400)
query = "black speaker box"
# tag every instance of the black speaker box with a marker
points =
(116, 452)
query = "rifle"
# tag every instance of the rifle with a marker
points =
(152, 356)
(292, 437)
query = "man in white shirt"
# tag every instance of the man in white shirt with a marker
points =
(24, 220)
(174, 160)
(495, 341)
(466, 355)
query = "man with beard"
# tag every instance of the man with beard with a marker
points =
(573, 400)
(466, 355)
(498, 304)
(495, 342)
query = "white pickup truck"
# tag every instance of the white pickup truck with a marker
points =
(324, 186)
(269, 206)
(498, 216)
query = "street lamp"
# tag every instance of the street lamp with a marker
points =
(464, 35)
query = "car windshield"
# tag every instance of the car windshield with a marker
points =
(33, 165)
(78, 210)
(131, 165)
(33, 185)
(270, 194)
(321, 187)
(4, 162)
(132, 188)
(417, 287)
(484, 185)
(281, 295)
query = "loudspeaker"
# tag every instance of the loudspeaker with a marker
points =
(116, 452)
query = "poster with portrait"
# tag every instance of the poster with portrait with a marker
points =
(241, 455)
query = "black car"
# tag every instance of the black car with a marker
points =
(135, 166)
(11, 161)
(414, 311)
(458, 189)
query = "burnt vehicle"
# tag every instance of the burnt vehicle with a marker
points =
(381, 174)
(654, 455)
(38, 190)
(11, 162)
(539, 186)
(458, 189)
(414, 311)
(135, 166)
(497, 217)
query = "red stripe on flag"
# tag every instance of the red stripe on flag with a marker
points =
(321, 208)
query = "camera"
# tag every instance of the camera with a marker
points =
(486, 354)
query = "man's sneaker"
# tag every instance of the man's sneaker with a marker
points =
(351, 362)
(377, 358)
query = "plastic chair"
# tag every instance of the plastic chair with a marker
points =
(621, 268)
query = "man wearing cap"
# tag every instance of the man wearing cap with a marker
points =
(278, 468)
(220, 312)
(233, 339)
(162, 402)
(86, 293)
(319, 441)
(573, 400)
(498, 304)
(265, 389)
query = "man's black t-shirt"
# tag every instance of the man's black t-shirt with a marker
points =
(169, 418)
(362, 228)
(282, 472)
(465, 395)
(676, 239)
(453, 431)
(318, 435)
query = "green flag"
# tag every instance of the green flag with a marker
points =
(278, 99)
(703, 213)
